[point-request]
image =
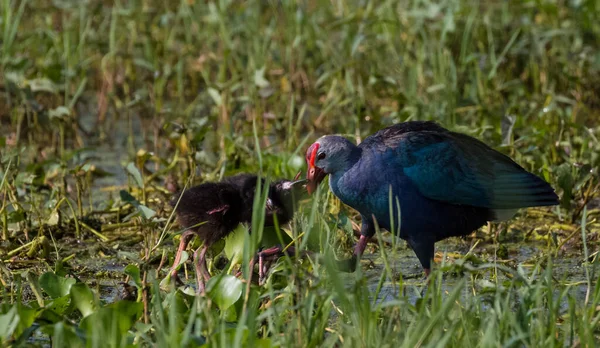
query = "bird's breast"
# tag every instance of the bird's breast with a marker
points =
(366, 186)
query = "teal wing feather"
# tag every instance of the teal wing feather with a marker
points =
(459, 169)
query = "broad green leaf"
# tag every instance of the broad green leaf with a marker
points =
(166, 281)
(271, 237)
(115, 320)
(134, 272)
(54, 285)
(64, 335)
(84, 299)
(146, 212)
(47, 315)
(60, 305)
(8, 323)
(135, 173)
(27, 317)
(225, 290)
(234, 245)
(53, 219)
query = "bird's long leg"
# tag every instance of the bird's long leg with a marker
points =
(266, 257)
(201, 269)
(261, 255)
(205, 273)
(185, 240)
(359, 249)
(271, 255)
(367, 231)
(425, 250)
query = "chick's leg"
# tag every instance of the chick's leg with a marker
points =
(185, 240)
(202, 274)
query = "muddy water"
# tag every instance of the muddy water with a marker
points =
(404, 264)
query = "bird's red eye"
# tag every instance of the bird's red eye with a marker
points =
(321, 156)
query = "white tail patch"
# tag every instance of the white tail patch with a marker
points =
(504, 214)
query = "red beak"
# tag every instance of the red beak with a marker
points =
(314, 174)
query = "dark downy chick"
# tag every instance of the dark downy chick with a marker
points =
(213, 210)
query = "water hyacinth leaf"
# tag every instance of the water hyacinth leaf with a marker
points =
(116, 318)
(26, 318)
(146, 212)
(24, 178)
(8, 323)
(54, 285)
(47, 315)
(135, 173)
(65, 336)
(53, 219)
(84, 299)
(276, 236)
(234, 245)
(166, 281)
(34, 285)
(133, 257)
(60, 305)
(217, 247)
(225, 290)
(134, 272)
(16, 216)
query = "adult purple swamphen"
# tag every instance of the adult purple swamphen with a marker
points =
(442, 183)
(213, 210)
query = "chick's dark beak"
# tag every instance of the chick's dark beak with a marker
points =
(297, 182)
(314, 176)
(299, 188)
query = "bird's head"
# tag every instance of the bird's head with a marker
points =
(329, 154)
(285, 194)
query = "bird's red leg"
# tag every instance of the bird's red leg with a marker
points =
(202, 274)
(359, 249)
(261, 264)
(427, 271)
(272, 254)
(268, 255)
(205, 273)
(185, 239)
(261, 274)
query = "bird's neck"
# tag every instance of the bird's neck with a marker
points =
(350, 160)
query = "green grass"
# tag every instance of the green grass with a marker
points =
(194, 90)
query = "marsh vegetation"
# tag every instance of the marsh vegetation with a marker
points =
(108, 107)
